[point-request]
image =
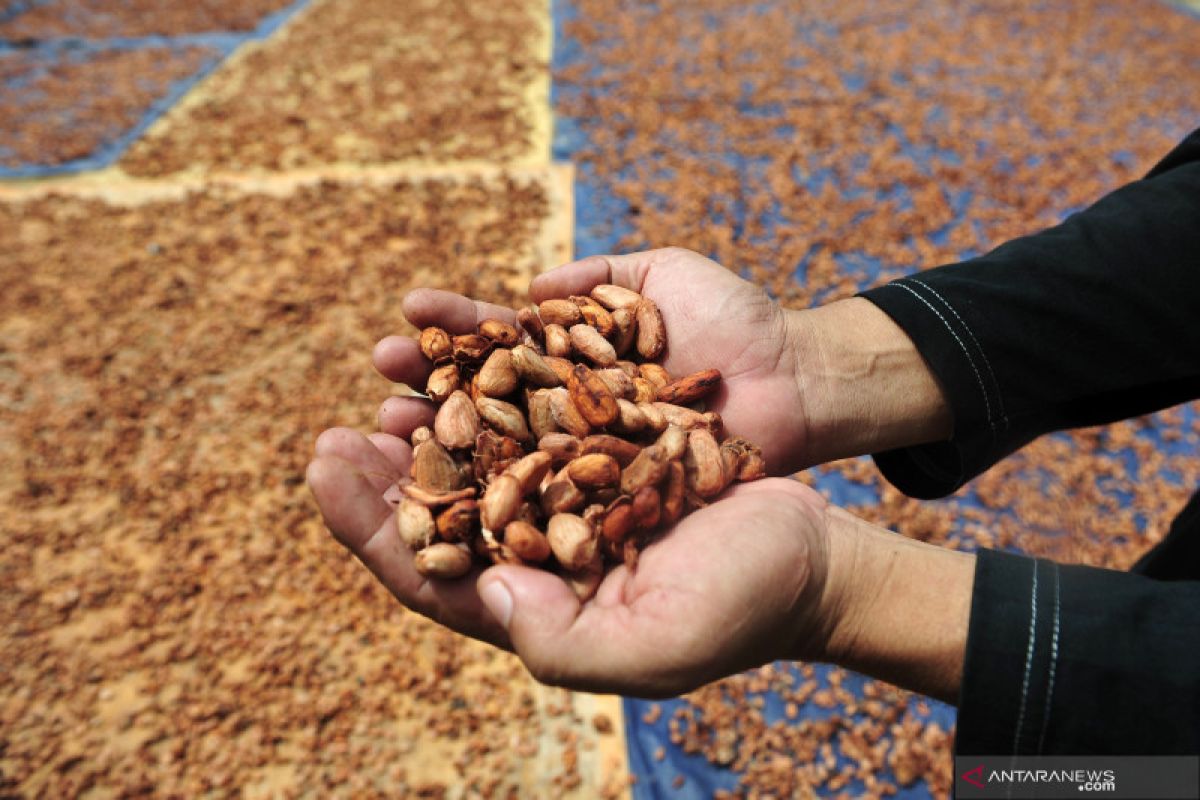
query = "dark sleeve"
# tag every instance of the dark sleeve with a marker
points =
(1078, 660)
(1088, 322)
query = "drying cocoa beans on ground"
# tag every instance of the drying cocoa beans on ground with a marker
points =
(559, 442)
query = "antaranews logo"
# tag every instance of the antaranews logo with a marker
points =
(1146, 777)
(1087, 780)
(974, 776)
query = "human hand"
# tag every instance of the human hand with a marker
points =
(808, 386)
(713, 319)
(733, 585)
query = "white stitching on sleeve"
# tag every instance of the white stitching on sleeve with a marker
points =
(986, 361)
(1033, 615)
(1053, 659)
(986, 402)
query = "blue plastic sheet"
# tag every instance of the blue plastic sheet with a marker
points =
(45, 54)
(602, 221)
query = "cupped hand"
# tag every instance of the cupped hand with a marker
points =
(731, 586)
(713, 319)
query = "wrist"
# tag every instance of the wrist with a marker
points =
(863, 385)
(898, 609)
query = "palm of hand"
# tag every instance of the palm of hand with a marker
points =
(733, 585)
(716, 320)
(696, 609)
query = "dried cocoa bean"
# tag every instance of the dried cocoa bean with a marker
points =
(623, 451)
(443, 381)
(457, 422)
(499, 332)
(500, 502)
(594, 471)
(614, 297)
(588, 342)
(703, 467)
(694, 387)
(591, 397)
(436, 499)
(651, 332)
(673, 494)
(646, 470)
(646, 508)
(435, 344)
(532, 368)
(655, 373)
(471, 348)
(433, 468)
(414, 523)
(595, 315)
(530, 470)
(531, 323)
(541, 419)
(561, 447)
(504, 417)
(498, 377)
(630, 419)
(558, 341)
(572, 541)
(566, 415)
(443, 560)
(526, 541)
(560, 312)
(459, 522)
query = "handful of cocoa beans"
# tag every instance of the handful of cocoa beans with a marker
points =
(560, 442)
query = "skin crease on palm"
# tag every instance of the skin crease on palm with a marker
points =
(734, 585)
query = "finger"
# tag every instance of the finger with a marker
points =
(399, 359)
(579, 277)
(361, 520)
(455, 313)
(351, 505)
(397, 451)
(400, 416)
(351, 446)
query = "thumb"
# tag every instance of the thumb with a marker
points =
(542, 616)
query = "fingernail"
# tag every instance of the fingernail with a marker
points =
(496, 597)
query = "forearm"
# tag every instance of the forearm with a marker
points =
(900, 608)
(865, 386)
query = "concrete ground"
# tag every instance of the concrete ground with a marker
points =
(175, 331)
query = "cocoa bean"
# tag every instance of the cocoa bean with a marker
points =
(443, 381)
(459, 522)
(499, 332)
(498, 377)
(560, 312)
(572, 541)
(614, 297)
(588, 342)
(435, 344)
(414, 523)
(594, 471)
(558, 341)
(689, 389)
(526, 541)
(651, 332)
(623, 451)
(591, 397)
(457, 422)
(500, 502)
(443, 560)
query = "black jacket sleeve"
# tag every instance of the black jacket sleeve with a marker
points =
(1088, 322)
(1077, 660)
